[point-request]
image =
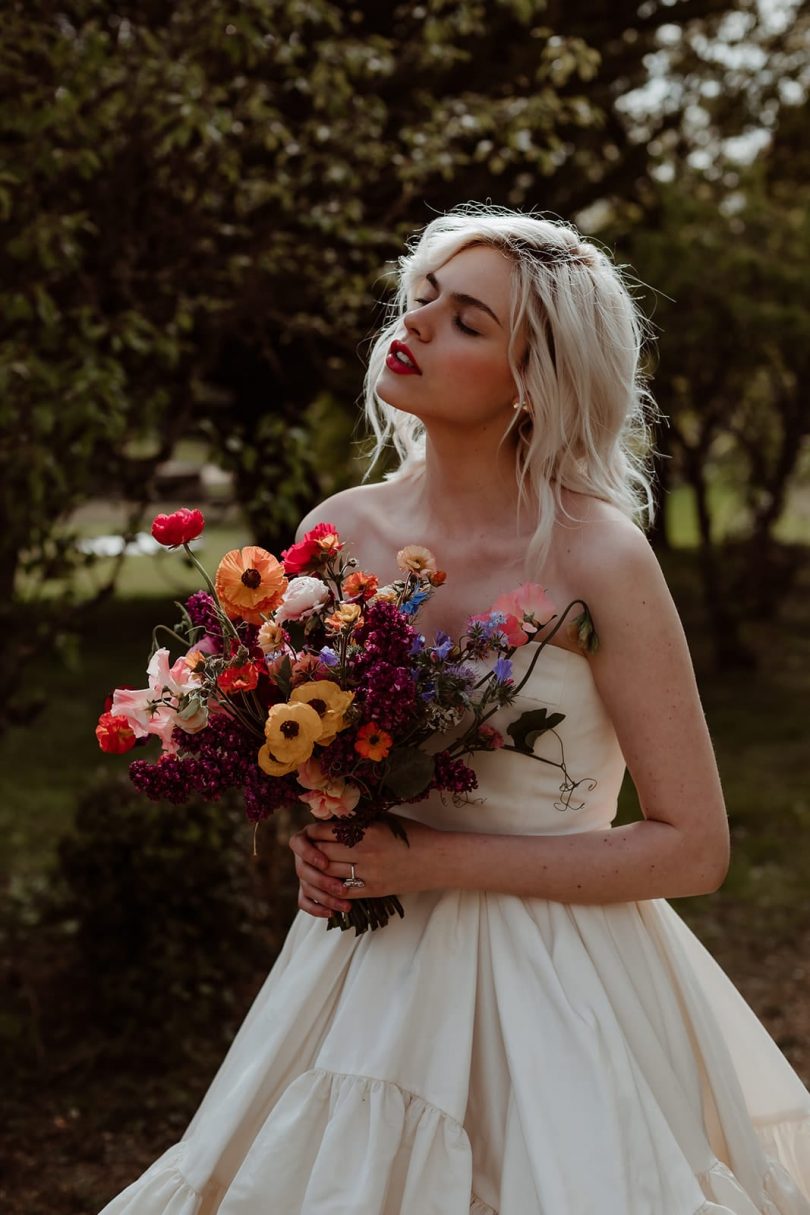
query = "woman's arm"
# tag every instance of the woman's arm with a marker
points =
(645, 677)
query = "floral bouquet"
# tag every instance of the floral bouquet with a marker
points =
(304, 680)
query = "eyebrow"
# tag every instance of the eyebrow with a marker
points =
(464, 300)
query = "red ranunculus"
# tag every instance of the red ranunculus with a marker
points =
(240, 679)
(179, 528)
(309, 554)
(114, 733)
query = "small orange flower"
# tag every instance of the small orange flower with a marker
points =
(271, 637)
(242, 678)
(415, 559)
(372, 742)
(329, 542)
(360, 584)
(195, 660)
(437, 578)
(249, 582)
(347, 616)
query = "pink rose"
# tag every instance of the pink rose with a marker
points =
(302, 597)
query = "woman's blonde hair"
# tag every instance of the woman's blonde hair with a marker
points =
(587, 422)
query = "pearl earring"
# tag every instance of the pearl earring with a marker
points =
(520, 405)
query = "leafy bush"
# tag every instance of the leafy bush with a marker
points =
(168, 930)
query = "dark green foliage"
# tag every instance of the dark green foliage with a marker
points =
(163, 907)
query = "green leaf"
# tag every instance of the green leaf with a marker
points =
(526, 730)
(410, 771)
(283, 676)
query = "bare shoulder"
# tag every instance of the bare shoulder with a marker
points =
(610, 562)
(349, 509)
(604, 553)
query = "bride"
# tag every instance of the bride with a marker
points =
(541, 1034)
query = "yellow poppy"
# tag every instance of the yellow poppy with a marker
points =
(272, 766)
(291, 731)
(330, 703)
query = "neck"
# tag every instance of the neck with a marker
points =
(469, 486)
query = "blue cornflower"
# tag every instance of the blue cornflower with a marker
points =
(414, 603)
(444, 644)
(503, 670)
(328, 656)
(417, 645)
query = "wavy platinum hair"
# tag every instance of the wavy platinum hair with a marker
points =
(586, 425)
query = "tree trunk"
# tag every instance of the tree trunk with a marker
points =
(724, 622)
(658, 532)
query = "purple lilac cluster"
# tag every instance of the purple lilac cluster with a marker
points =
(168, 780)
(220, 757)
(453, 774)
(386, 689)
(203, 613)
(202, 610)
(340, 758)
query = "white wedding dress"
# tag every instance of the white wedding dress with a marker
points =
(496, 1055)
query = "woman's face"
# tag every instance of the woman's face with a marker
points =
(451, 360)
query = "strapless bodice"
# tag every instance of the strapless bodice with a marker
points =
(519, 795)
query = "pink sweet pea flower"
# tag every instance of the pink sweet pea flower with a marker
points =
(328, 795)
(177, 679)
(530, 603)
(513, 631)
(134, 704)
(163, 723)
(324, 805)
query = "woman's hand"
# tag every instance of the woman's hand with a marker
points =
(386, 864)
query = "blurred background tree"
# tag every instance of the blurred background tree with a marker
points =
(200, 208)
(201, 204)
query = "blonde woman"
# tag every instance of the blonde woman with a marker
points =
(541, 1034)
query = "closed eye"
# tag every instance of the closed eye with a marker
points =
(457, 321)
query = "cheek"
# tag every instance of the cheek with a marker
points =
(480, 376)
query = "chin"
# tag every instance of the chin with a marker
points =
(386, 391)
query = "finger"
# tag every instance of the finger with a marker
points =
(302, 847)
(311, 907)
(320, 831)
(324, 899)
(329, 886)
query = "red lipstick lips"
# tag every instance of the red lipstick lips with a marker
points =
(400, 360)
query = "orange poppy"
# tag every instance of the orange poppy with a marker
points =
(249, 582)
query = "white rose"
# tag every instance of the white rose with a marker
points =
(303, 596)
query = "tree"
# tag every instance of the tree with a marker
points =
(731, 252)
(191, 199)
(196, 199)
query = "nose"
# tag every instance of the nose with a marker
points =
(417, 323)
